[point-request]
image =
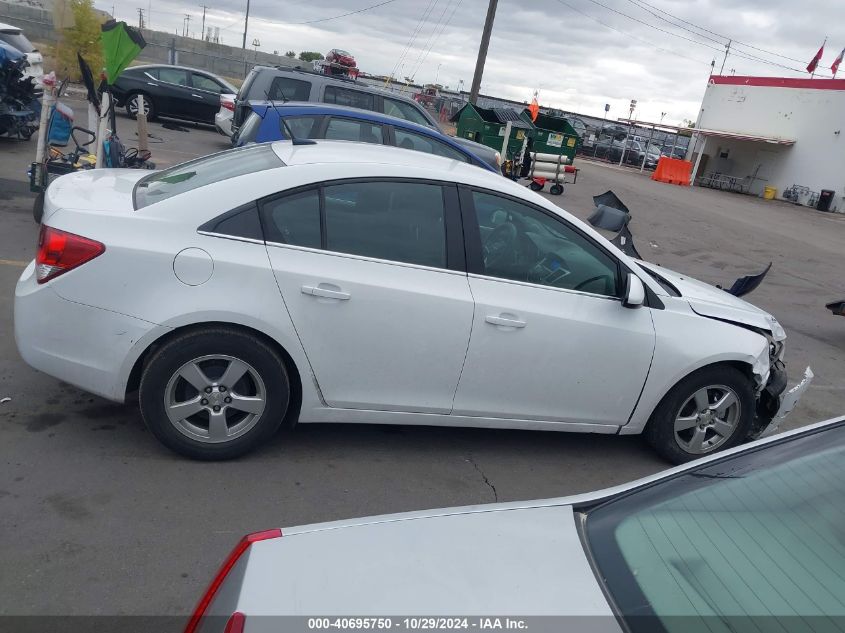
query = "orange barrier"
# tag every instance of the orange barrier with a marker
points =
(673, 171)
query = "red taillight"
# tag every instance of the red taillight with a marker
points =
(225, 568)
(236, 623)
(59, 252)
(227, 102)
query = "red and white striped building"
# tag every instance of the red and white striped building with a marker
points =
(773, 131)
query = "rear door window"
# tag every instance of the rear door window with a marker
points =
(422, 143)
(287, 89)
(397, 221)
(340, 129)
(351, 98)
(402, 110)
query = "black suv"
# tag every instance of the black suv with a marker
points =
(265, 83)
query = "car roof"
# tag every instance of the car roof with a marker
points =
(353, 153)
(187, 68)
(329, 78)
(8, 28)
(318, 107)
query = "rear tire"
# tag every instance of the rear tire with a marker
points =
(38, 208)
(556, 190)
(196, 413)
(709, 411)
(132, 106)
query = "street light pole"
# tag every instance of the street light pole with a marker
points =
(645, 153)
(603, 121)
(630, 125)
(246, 24)
(482, 51)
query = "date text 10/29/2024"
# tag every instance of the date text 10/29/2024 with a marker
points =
(419, 623)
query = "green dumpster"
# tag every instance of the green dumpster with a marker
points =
(487, 126)
(553, 135)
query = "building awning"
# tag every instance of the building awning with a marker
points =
(744, 137)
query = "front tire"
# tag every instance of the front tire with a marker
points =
(710, 410)
(214, 394)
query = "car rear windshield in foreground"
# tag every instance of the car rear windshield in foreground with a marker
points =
(204, 171)
(755, 543)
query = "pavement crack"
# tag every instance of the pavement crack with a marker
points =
(484, 477)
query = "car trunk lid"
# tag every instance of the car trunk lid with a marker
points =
(507, 561)
(93, 191)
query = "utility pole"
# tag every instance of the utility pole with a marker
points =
(140, 18)
(186, 30)
(202, 36)
(727, 50)
(482, 51)
(246, 24)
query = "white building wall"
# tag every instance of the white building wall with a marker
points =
(813, 118)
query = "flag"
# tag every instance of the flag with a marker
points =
(835, 65)
(534, 109)
(121, 44)
(811, 67)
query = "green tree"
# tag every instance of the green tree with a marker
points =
(309, 56)
(290, 54)
(82, 37)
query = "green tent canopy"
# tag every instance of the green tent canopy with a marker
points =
(121, 44)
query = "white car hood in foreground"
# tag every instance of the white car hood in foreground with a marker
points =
(711, 301)
(525, 561)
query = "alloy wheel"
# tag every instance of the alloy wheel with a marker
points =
(215, 398)
(133, 105)
(707, 419)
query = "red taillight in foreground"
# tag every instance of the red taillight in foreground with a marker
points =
(59, 252)
(237, 618)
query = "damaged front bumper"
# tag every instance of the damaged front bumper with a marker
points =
(773, 405)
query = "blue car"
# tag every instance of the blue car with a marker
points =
(275, 121)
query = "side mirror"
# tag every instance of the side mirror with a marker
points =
(634, 292)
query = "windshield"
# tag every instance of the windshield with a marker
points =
(752, 543)
(204, 171)
(18, 40)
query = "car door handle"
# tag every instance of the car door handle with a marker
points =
(323, 290)
(196, 95)
(504, 320)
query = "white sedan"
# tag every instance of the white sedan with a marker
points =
(340, 282)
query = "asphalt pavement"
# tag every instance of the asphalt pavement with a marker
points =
(97, 518)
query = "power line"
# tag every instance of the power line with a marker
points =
(430, 41)
(626, 34)
(442, 29)
(687, 39)
(343, 15)
(724, 37)
(413, 36)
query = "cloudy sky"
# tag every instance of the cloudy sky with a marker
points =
(579, 54)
